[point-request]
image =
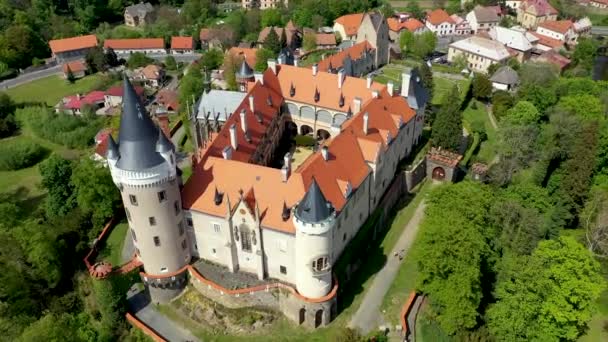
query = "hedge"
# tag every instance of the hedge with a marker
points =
(19, 154)
(305, 140)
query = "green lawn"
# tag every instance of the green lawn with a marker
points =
(479, 117)
(316, 56)
(444, 85)
(429, 330)
(112, 248)
(51, 89)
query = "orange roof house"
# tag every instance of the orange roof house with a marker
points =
(75, 66)
(336, 61)
(72, 44)
(348, 25)
(182, 43)
(560, 26)
(411, 24)
(438, 17)
(248, 54)
(546, 43)
(135, 44)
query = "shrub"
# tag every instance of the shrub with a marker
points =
(305, 140)
(17, 154)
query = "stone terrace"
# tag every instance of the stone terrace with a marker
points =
(223, 277)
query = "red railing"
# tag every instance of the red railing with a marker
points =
(145, 328)
(405, 311)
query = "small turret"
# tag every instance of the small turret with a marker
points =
(112, 151)
(314, 207)
(163, 144)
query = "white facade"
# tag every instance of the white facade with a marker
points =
(554, 34)
(514, 4)
(154, 51)
(479, 52)
(442, 29)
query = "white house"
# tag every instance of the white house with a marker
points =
(479, 52)
(482, 18)
(515, 38)
(440, 23)
(562, 30)
(505, 78)
(143, 45)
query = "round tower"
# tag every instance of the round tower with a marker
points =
(244, 75)
(143, 167)
(314, 219)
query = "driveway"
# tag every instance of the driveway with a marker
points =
(368, 316)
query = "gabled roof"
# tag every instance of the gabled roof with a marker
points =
(350, 22)
(326, 39)
(139, 10)
(582, 24)
(135, 44)
(74, 66)
(76, 101)
(168, 99)
(219, 103)
(539, 8)
(185, 43)
(74, 43)
(118, 91)
(485, 14)
(482, 47)
(548, 41)
(223, 33)
(151, 72)
(439, 16)
(554, 58)
(505, 75)
(248, 54)
(411, 24)
(560, 26)
(512, 38)
(336, 61)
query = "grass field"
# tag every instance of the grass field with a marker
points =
(479, 116)
(112, 249)
(316, 56)
(51, 89)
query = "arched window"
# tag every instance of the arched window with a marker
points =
(320, 264)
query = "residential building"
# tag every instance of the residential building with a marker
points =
(562, 30)
(482, 18)
(168, 100)
(326, 40)
(182, 45)
(462, 26)
(140, 14)
(143, 45)
(113, 97)
(533, 12)
(479, 52)
(354, 61)
(545, 43)
(248, 55)
(348, 25)
(516, 38)
(76, 104)
(554, 58)
(78, 68)
(293, 36)
(68, 49)
(603, 4)
(216, 38)
(374, 29)
(505, 78)
(397, 25)
(439, 22)
(582, 27)
(151, 75)
(263, 4)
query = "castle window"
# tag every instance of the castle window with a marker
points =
(176, 207)
(283, 269)
(189, 221)
(320, 264)
(216, 227)
(156, 241)
(152, 220)
(180, 226)
(245, 238)
(163, 269)
(128, 214)
(133, 235)
(184, 244)
(133, 199)
(344, 237)
(162, 196)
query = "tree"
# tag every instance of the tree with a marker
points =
(406, 41)
(96, 60)
(549, 296)
(452, 251)
(585, 53)
(447, 127)
(190, 87)
(53, 327)
(538, 73)
(542, 96)
(595, 221)
(270, 17)
(212, 59)
(426, 74)
(523, 113)
(110, 58)
(170, 63)
(414, 9)
(262, 57)
(138, 60)
(586, 106)
(459, 62)
(387, 10)
(517, 149)
(310, 41)
(482, 87)
(56, 173)
(70, 76)
(8, 124)
(272, 42)
(111, 306)
(231, 65)
(501, 102)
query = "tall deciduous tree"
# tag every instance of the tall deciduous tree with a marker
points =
(447, 127)
(548, 296)
(426, 74)
(262, 57)
(56, 173)
(8, 124)
(482, 87)
(523, 113)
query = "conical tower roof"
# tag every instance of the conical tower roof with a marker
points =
(138, 134)
(313, 207)
(244, 71)
(112, 151)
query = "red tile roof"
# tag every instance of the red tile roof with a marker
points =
(182, 43)
(74, 43)
(77, 101)
(152, 72)
(326, 39)
(554, 58)
(560, 26)
(351, 23)
(224, 33)
(540, 8)
(439, 16)
(547, 41)
(168, 99)
(135, 44)
(75, 66)
(250, 55)
(336, 60)
(411, 24)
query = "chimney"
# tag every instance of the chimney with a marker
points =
(227, 152)
(258, 76)
(287, 160)
(280, 60)
(243, 121)
(233, 140)
(369, 81)
(356, 105)
(315, 69)
(390, 87)
(251, 104)
(296, 62)
(285, 173)
(365, 123)
(405, 84)
(325, 152)
(272, 64)
(340, 78)
(375, 94)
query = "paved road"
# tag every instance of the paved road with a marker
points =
(368, 317)
(161, 57)
(32, 76)
(141, 308)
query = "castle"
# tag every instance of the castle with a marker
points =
(245, 207)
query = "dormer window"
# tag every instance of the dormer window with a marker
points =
(341, 101)
(292, 90)
(317, 95)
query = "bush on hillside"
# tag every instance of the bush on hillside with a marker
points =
(70, 131)
(16, 155)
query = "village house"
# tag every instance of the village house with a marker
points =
(68, 49)
(354, 61)
(533, 12)
(78, 68)
(439, 22)
(143, 45)
(140, 14)
(348, 25)
(168, 100)
(562, 30)
(216, 38)
(554, 58)
(582, 27)
(325, 40)
(482, 18)
(397, 25)
(546, 43)
(263, 4)
(462, 26)
(517, 39)
(113, 97)
(479, 52)
(505, 78)
(151, 75)
(182, 45)
(293, 36)
(76, 104)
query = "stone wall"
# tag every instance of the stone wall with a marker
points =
(415, 175)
